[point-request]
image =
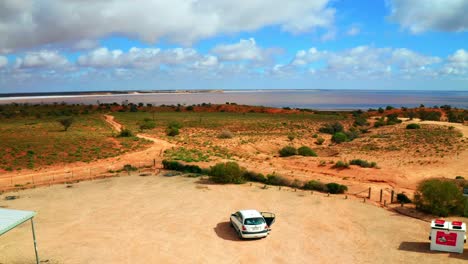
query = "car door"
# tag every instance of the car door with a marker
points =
(237, 221)
(269, 218)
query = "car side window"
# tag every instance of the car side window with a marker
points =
(238, 215)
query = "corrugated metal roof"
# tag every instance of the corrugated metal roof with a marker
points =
(9, 219)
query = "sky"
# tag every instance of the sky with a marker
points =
(86, 45)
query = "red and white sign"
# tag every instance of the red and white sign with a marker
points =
(446, 239)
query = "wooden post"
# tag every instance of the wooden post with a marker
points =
(381, 193)
(385, 203)
(328, 195)
(346, 197)
(391, 199)
(154, 163)
(364, 199)
(368, 196)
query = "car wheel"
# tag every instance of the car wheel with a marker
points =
(240, 235)
(230, 223)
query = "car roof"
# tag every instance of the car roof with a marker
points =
(250, 213)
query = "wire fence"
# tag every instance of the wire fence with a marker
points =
(12, 182)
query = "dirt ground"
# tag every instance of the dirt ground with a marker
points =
(158, 219)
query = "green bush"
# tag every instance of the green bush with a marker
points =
(273, 179)
(306, 151)
(174, 124)
(413, 126)
(172, 131)
(459, 178)
(332, 128)
(339, 137)
(341, 165)
(229, 172)
(352, 134)
(402, 198)
(147, 125)
(177, 166)
(439, 197)
(360, 121)
(315, 186)
(288, 151)
(126, 133)
(335, 188)
(255, 177)
(363, 163)
(320, 141)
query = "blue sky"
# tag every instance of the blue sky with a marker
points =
(219, 44)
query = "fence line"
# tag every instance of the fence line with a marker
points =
(25, 181)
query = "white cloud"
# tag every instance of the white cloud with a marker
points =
(245, 49)
(42, 59)
(304, 57)
(366, 61)
(457, 63)
(353, 31)
(329, 35)
(3, 61)
(425, 15)
(101, 57)
(29, 24)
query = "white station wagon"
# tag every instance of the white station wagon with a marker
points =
(252, 224)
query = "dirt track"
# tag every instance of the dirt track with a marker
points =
(159, 219)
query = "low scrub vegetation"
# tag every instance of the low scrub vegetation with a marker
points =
(229, 172)
(126, 133)
(440, 197)
(288, 151)
(341, 165)
(363, 163)
(413, 126)
(339, 137)
(332, 128)
(306, 151)
(333, 188)
(177, 166)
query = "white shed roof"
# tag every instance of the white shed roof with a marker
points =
(9, 219)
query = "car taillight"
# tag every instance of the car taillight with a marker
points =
(266, 226)
(243, 228)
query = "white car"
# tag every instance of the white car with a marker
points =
(251, 223)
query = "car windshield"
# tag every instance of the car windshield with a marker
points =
(254, 221)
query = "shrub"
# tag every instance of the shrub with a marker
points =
(255, 177)
(177, 166)
(229, 172)
(392, 119)
(380, 110)
(274, 179)
(306, 151)
(66, 122)
(459, 178)
(315, 136)
(320, 141)
(341, 165)
(380, 122)
(352, 134)
(339, 137)
(389, 107)
(413, 126)
(128, 168)
(439, 197)
(172, 131)
(315, 186)
(332, 128)
(287, 151)
(147, 124)
(360, 121)
(225, 134)
(335, 188)
(363, 163)
(402, 198)
(126, 133)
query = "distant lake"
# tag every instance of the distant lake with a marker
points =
(313, 99)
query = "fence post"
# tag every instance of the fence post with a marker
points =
(393, 193)
(368, 196)
(385, 203)
(381, 193)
